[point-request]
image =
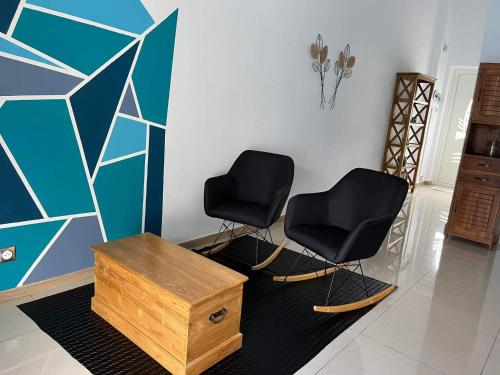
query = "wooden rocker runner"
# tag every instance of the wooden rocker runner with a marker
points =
(344, 225)
(242, 231)
(253, 193)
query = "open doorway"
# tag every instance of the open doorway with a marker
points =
(455, 120)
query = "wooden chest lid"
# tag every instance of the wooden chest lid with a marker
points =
(178, 271)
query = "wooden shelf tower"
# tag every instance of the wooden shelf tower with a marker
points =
(409, 119)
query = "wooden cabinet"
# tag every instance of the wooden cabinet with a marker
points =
(486, 108)
(474, 213)
(480, 163)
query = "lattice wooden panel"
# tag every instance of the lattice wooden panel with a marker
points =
(409, 117)
(424, 91)
(404, 88)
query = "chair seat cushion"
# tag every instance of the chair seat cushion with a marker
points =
(241, 212)
(324, 240)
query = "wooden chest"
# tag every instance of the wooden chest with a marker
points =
(181, 308)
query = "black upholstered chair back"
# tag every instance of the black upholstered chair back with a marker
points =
(257, 176)
(363, 194)
(345, 225)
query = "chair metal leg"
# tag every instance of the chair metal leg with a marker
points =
(330, 289)
(266, 262)
(270, 236)
(257, 248)
(271, 258)
(363, 278)
(233, 234)
(220, 232)
(369, 300)
(305, 276)
(295, 262)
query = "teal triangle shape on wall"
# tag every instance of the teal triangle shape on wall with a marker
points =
(79, 45)
(41, 138)
(12, 48)
(127, 15)
(153, 71)
(95, 105)
(128, 137)
(119, 189)
(30, 241)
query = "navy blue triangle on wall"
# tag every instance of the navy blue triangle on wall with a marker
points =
(16, 203)
(7, 11)
(95, 104)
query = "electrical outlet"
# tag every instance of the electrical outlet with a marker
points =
(7, 254)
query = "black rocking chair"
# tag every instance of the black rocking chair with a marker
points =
(344, 225)
(252, 193)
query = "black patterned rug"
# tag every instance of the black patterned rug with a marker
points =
(281, 332)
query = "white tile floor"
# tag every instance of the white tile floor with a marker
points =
(26, 350)
(443, 319)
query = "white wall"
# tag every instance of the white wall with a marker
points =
(463, 31)
(491, 45)
(242, 79)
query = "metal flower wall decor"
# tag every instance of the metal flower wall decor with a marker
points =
(321, 64)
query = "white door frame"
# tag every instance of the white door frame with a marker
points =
(455, 73)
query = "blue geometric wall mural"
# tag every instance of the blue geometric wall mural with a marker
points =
(79, 45)
(128, 15)
(84, 90)
(17, 203)
(7, 10)
(40, 135)
(41, 138)
(30, 241)
(95, 104)
(70, 251)
(154, 68)
(120, 195)
(129, 106)
(21, 78)
(8, 46)
(154, 190)
(128, 137)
